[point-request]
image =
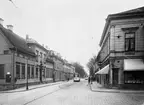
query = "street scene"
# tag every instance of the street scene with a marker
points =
(71, 52)
(70, 93)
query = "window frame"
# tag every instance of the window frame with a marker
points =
(130, 39)
(2, 75)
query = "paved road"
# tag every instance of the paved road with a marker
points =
(69, 93)
(80, 94)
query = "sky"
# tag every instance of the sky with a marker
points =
(72, 28)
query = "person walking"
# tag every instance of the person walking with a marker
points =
(89, 80)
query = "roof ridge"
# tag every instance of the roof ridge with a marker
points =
(139, 9)
(17, 41)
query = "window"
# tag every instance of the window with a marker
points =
(37, 72)
(28, 70)
(1, 71)
(6, 51)
(130, 41)
(44, 55)
(17, 70)
(37, 52)
(41, 54)
(23, 71)
(32, 72)
(133, 77)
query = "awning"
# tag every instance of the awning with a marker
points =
(104, 70)
(133, 65)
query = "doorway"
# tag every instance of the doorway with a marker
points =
(115, 76)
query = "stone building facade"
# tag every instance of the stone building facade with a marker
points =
(122, 50)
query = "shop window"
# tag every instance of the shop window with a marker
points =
(18, 70)
(1, 71)
(133, 77)
(28, 71)
(23, 71)
(32, 72)
(130, 42)
(36, 72)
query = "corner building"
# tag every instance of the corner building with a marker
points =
(121, 58)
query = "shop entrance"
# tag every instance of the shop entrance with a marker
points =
(115, 76)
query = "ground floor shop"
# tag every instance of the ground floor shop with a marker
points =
(122, 73)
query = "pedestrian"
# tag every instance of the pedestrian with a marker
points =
(88, 80)
(91, 79)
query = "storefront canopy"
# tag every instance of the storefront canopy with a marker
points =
(103, 70)
(133, 65)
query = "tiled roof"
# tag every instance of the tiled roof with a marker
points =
(18, 42)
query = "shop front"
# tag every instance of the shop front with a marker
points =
(102, 76)
(134, 73)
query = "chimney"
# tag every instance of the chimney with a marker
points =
(27, 37)
(10, 27)
(1, 21)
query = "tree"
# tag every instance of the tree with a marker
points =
(79, 69)
(91, 65)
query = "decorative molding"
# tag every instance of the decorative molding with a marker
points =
(130, 29)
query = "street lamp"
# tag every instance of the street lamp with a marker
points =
(27, 75)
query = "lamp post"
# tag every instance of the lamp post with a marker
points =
(27, 75)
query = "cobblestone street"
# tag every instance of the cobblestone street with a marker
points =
(80, 94)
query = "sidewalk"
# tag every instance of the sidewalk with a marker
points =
(31, 87)
(96, 87)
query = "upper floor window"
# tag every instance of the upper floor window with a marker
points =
(37, 52)
(130, 41)
(41, 54)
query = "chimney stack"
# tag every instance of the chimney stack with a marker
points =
(27, 37)
(1, 21)
(10, 27)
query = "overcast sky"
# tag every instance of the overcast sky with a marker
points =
(71, 27)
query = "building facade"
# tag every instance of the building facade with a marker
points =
(121, 56)
(25, 60)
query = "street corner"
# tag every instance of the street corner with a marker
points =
(95, 87)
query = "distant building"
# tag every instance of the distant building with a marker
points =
(121, 56)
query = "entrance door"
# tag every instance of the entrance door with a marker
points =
(115, 76)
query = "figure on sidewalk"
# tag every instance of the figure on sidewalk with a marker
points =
(88, 80)
(91, 79)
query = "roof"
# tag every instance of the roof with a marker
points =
(133, 13)
(37, 44)
(18, 42)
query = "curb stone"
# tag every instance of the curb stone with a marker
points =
(13, 91)
(116, 91)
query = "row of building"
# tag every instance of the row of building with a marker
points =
(25, 60)
(120, 61)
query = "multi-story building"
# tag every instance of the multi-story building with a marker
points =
(25, 60)
(42, 58)
(69, 70)
(16, 58)
(122, 49)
